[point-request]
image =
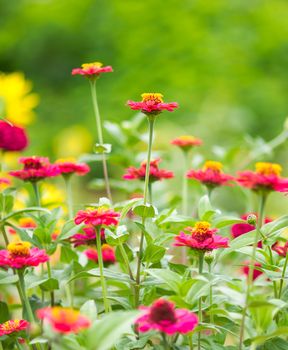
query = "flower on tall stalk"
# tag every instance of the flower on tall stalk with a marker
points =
(155, 173)
(100, 216)
(20, 255)
(281, 250)
(152, 104)
(266, 177)
(69, 167)
(108, 254)
(92, 70)
(13, 326)
(211, 175)
(88, 237)
(64, 320)
(201, 237)
(12, 138)
(186, 142)
(164, 317)
(246, 269)
(35, 169)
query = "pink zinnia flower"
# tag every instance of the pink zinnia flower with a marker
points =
(246, 269)
(69, 167)
(155, 173)
(163, 317)
(97, 217)
(152, 104)
(281, 250)
(211, 175)
(92, 70)
(108, 254)
(86, 238)
(13, 326)
(186, 142)
(4, 183)
(35, 169)
(19, 256)
(201, 237)
(63, 320)
(12, 137)
(266, 177)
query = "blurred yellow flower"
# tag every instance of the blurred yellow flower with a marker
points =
(16, 100)
(51, 196)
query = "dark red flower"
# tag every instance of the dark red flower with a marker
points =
(68, 167)
(108, 254)
(92, 70)
(86, 238)
(97, 217)
(281, 249)
(12, 137)
(246, 269)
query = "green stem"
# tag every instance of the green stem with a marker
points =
(52, 297)
(100, 135)
(209, 192)
(1, 347)
(150, 192)
(190, 342)
(69, 196)
(165, 341)
(4, 235)
(126, 261)
(262, 203)
(200, 267)
(283, 276)
(101, 268)
(36, 192)
(211, 295)
(185, 185)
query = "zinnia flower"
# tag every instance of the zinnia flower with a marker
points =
(108, 254)
(155, 173)
(163, 317)
(152, 104)
(281, 250)
(201, 237)
(86, 238)
(4, 183)
(19, 255)
(69, 167)
(13, 326)
(186, 142)
(246, 269)
(266, 177)
(63, 320)
(97, 217)
(211, 175)
(12, 137)
(92, 70)
(35, 169)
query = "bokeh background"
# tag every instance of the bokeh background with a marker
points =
(224, 61)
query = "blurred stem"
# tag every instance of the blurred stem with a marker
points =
(211, 294)
(126, 260)
(68, 185)
(209, 192)
(150, 192)
(185, 184)
(283, 276)
(50, 276)
(100, 135)
(165, 342)
(4, 235)
(200, 267)
(101, 268)
(36, 192)
(262, 202)
(190, 342)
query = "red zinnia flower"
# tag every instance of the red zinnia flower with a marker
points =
(246, 269)
(163, 317)
(13, 326)
(35, 169)
(108, 254)
(69, 167)
(86, 238)
(152, 104)
(63, 320)
(211, 175)
(12, 137)
(266, 177)
(92, 70)
(186, 142)
(281, 250)
(155, 173)
(97, 217)
(201, 237)
(19, 255)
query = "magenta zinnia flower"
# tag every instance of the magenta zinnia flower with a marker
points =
(155, 173)
(19, 256)
(97, 217)
(12, 137)
(69, 167)
(266, 177)
(256, 273)
(92, 70)
(186, 142)
(108, 254)
(201, 237)
(282, 250)
(152, 104)
(13, 326)
(86, 238)
(163, 317)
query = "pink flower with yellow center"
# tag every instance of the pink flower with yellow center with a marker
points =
(92, 70)
(97, 217)
(281, 250)
(186, 142)
(266, 177)
(108, 254)
(201, 237)
(156, 174)
(164, 317)
(152, 104)
(13, 326)
(27, 223)
(4, 183)
(19, 255)
(12, 138)
(88, 237)
(64, 320)
(69, 166)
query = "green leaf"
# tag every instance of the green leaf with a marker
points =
(145, 211)
(263, 338)
(153, 253)
(68, 230)
(199, 288)
(117, 276)
(68, 255)
(128, 206)
(23, 211)
(224, 221)
(4, 312)
(171, 278)
(89, 309)
(121, 236)
(102, 148)
(7, 278)
(205, 210)
(49, 285)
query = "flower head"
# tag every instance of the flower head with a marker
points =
(186, 142)
(63, 320)
(282, 250)
(12, 137)
(13, 326)
(20, 255)
(163, 317)
(156, 174)
(201, 237)
(97, 217)
(152, 104)
(246, 270)
(266, 177)
(69, 167)
(92, 70)
(88, 237)
(211, 175)
(108, 254)
(4, 183)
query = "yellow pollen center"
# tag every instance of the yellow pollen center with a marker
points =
(201, 227)
(106, 247)
(66, 315)
(214, 166)
(10, 325)
(91, 65)
(268, 168)
(66, 160)
(25, 222)
(151, 96)
(19, 248)
(187, 138)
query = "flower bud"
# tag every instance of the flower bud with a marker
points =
(209, 258)
(252, 219)
(34, 330)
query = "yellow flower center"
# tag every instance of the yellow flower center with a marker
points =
(201, 227)
(66, 160)
(268, 168)
(65, 315)
(91, 65)
(19, 248)
(187, 138)
(151, 96)
(214, 166)
(10, 325)
(106, 247)
(26, 222)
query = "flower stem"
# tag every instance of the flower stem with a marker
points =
(23, 296)
(69, 196)
(126, 260)
(211, 295)
(100, 135)
(50, 276)
(200, 267)
(185, 185)
(262, 203)
(36, 192)
(190, 342)
(4, 235)
(101, 267)
(150, 192)
(283, 276)
(165, 342)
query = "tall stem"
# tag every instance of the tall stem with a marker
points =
(50, 276)
(283, 276)
(36, 192)
(262, 198)
(200, 267)
(165, 342)
(126, 260)
(185, 185)
(4, 235)
(150, 192)
(100, 135)
(211, 295)
(101, 268)
(67, 180)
